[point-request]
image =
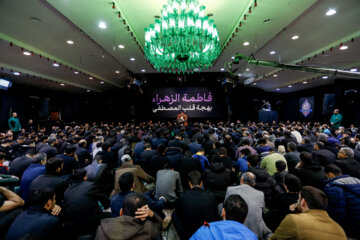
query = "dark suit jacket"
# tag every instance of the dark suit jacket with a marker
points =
(57, 184)
(35, 222)
(349, 166)
(292, 159)
(83, 213)
(323, 156)
(193, 208)
(84, 156)
(19, 165)
(49, 150)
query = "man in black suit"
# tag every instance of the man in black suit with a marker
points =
(83, 154)
(193, 208)
(50, 148)
(51, 179)
(83, 213)
(19, 165)
(322, 155)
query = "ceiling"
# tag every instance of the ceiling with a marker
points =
(44, 27)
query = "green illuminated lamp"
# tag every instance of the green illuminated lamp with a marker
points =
(183, 40)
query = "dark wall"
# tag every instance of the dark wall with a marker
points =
(128, 103)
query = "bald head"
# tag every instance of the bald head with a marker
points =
(248, 178)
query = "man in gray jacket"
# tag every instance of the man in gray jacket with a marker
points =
(256, 202)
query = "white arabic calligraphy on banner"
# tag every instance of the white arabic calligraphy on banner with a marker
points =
(165, 103)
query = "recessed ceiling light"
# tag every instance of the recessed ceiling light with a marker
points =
(246, 43)
(143, 70)
(344, 47)
(56, 65)
(248, 69)
(272, 52)
(295, 37)
(330, 12)
(132, 59)
(91, 78)
(277, 89)
(121, 46)
(222, 69)
(117, 71)
(353, 70)
(232, 57)
(304, 82)
(275, 75)
(290, 86)
(61, 84)
(88, 90)
(254, 83)
(325, 77)
(102, 82)
(76, 72)
(16, 73)
(69, 42)
(102, 25)
(27, 53)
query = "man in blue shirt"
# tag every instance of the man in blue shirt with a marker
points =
(35, 169)
(234, 214)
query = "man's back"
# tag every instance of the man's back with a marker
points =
(35, 222)
(292, 159)
(193, 208)
(81, 206)
(269, 162)
(256, 204)
(127, 227)
(19, 165)
(32, 172)
(349, 166)
(311, 224)
(53, 182)
(323, 156)
(168, 184)
(49, 150)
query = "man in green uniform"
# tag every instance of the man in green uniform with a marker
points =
(14, 124)
(336, 119)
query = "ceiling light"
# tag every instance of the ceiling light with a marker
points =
(88, 90)
(232, 57)
(91, 78)
(344, 47)
(248, 69)
(325, 77)
(330, 12)
(121, 46)
(304, 82)
(353, 70)
(76, 72)
(102, 82)
(222, 69)
(117, 71)
(69, 42)
(254, 83)
(239, 75)
(132, 59)
(294, 37)
(56, 64)
(246, 43)
(183, 21)
(290, 86)
(275, 75)
(61, 84)
(16, 73)
(272, 52)
(143, 70)
(102, 25)
(27, 53)
(277, 89)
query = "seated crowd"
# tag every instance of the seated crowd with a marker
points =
(207, 181)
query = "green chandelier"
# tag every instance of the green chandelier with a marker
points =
(182, 40)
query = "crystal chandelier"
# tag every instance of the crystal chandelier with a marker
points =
(182, 40)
